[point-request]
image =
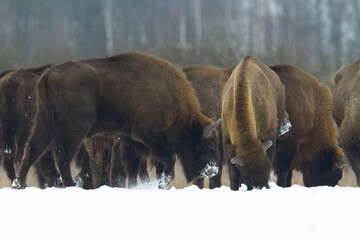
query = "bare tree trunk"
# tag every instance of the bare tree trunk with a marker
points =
(107, 11)
(182, 25)
(336, 32)
(197, 16)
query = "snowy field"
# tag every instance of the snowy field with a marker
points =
(189, 213)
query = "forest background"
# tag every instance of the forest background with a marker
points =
(318, 36)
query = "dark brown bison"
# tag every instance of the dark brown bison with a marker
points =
(253, 107)
(311, 144)
(208, 82)
(17, 111)
(132, 94)
(346, 112)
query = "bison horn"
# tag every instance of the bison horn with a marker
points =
(207, 132)
(237, 159)
(343, 162)
(266, 145)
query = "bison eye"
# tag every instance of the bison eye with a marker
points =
(209, 148)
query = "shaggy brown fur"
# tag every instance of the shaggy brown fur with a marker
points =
(208, 82)
(311, 145)
(131, 94)
(252, 100)
(346, 112)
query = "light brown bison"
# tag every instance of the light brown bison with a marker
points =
(17, 111)
(311, 144)
(132, 94)
(346, 112)
(208, 82)
(253, 107)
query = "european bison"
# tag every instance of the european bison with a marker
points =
(208, 82)
(132, 94)
(311, 144)
(253, 107)
(17, 111)
(346, 112)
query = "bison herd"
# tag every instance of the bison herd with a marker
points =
(115, 116)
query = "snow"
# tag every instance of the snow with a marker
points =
(190, 213)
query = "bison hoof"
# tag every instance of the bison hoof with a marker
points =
(164, 181)
(16, 184)
(79, 182)
(210, 170)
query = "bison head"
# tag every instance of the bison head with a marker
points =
(199, 151)
(324, 169)
(254, 166)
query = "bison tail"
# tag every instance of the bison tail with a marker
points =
(10, 120)
(45, 107)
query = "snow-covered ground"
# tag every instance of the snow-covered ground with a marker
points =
(190, 213)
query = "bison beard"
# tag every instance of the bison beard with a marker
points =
(131, 94)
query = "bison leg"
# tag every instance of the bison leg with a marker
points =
(130, 158)
(164, 173)
(288, 179)
(284, 155)
(35, 147)
(117, 172)
(133, 164)
(46, 170)
(95, 160)
(159, 167)
(215, 181)
(234, 175)
(168, 175)
(162, 152)
(84, 178)
(144, 175)
(352, 150)
(9, 167)
(199, 182)
(65, 150)
(96, 172)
